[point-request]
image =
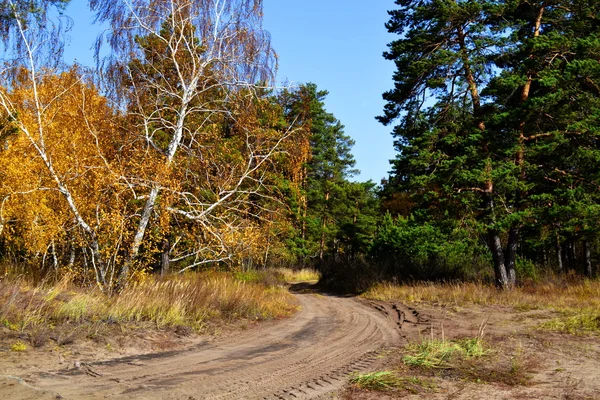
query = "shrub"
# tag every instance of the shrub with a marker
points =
(410, 250)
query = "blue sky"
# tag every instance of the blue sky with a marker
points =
(337, 44)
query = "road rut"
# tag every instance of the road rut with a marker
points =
(303, 357)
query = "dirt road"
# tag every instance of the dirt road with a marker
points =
(304, 357)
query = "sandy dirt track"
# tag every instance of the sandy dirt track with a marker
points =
(304, 357)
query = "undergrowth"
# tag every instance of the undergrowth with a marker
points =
(191, 300)
(552, 294)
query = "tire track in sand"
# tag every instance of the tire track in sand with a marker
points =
(304, 357)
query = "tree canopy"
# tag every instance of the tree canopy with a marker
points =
(496, 104)
(178, 153)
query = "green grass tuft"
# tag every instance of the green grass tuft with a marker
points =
(383, 380)
(585, 322)
(18, 347)
(386, 381)
(438, 353)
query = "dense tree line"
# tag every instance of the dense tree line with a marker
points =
(498, 109)
(171, 152)
(334, 217)
(176, 154)
(173, 155)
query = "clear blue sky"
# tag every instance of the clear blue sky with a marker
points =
(336, 44)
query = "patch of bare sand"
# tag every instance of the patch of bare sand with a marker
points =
(306, 356)
(92, 344)
(525, 362)
(18, 389)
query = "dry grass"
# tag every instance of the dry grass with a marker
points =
(192, 300)
(577, 302)
(299, 275)
(556, 295)
(386, 381)
(512, 366)
(279, 275)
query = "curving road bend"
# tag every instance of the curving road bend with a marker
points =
(303, 357)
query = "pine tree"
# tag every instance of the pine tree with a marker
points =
(329, 165)
(497, 110)
(546, 101)
(443, 61)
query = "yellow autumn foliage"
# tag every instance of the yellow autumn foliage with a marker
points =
(78, 133)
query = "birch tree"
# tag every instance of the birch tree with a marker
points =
(52, 112)
(188, 73)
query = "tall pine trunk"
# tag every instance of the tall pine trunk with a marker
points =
(504, 259)
(495, 244)
(504, 262)
(511, 256)
(572, 264)
(559, 255)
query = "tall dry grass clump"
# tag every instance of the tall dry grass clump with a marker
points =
(299, 275)
(555, 294)
(190, 300)
(193, 300)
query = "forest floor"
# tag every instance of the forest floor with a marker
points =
(335, 347)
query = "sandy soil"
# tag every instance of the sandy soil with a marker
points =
(525, 362)
(311, 356)
(306, 356)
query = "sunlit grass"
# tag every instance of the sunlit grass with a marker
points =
(583, 322)
(279, 275)
(191, 300)
(299, 275)
(471, 359)
(390, 381)
(439, 353)
(18, 346)
(554, 295)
